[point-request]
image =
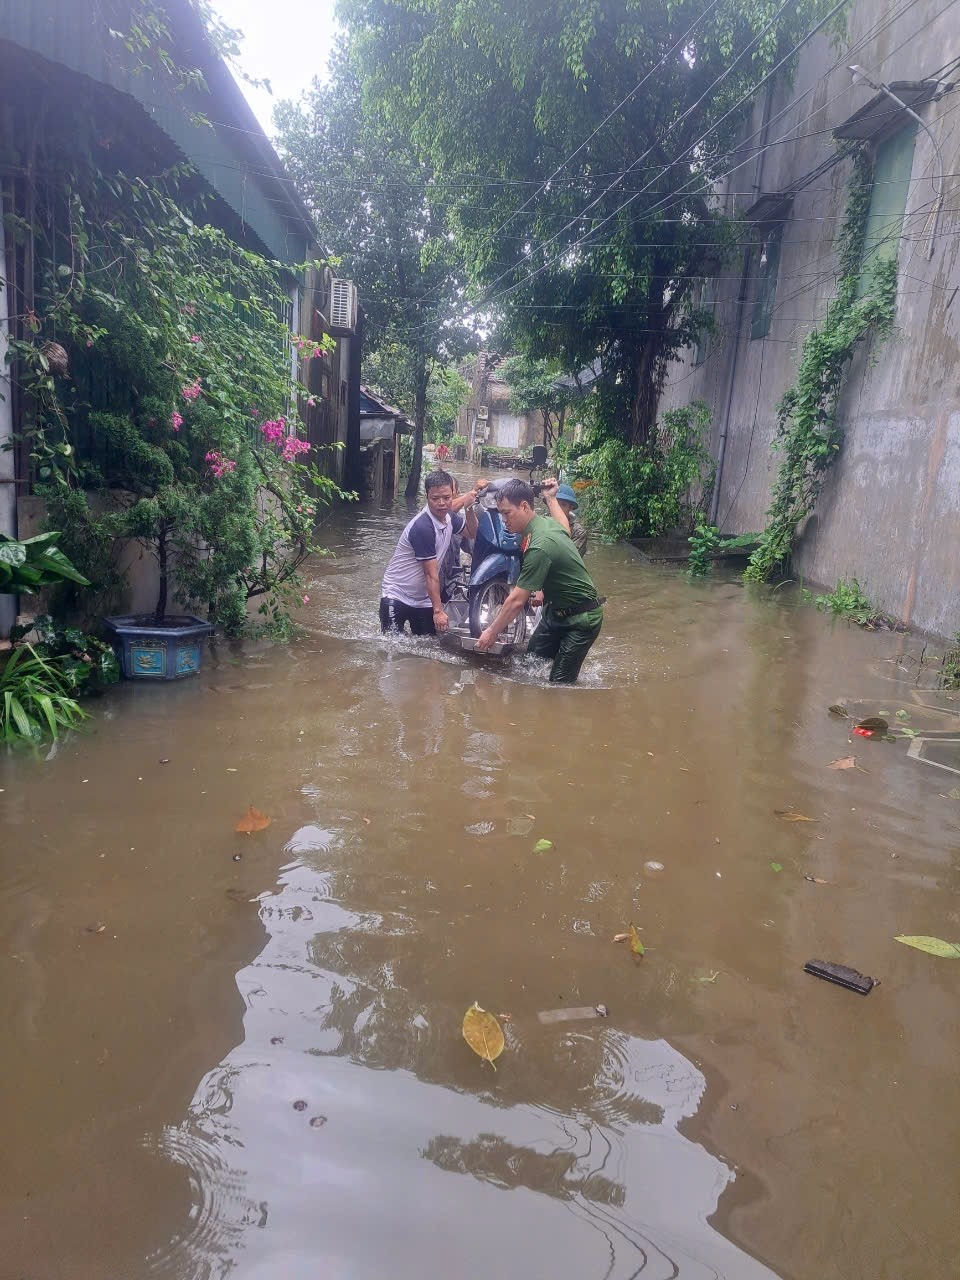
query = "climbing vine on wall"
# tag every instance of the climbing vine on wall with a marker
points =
(808, 433)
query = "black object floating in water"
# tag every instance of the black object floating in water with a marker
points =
(841, 975)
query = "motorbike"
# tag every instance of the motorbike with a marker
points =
(494, 570)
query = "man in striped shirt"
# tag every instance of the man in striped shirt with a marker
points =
(411, 590)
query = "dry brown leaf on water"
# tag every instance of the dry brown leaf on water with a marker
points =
(817, 880)
(621, 937)
(845, 762)
(483, 1034)
(252, 820)
(789, 815)
(365, 821)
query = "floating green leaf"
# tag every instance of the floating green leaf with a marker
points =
(953, 793)
(542, 846)
(837, 710)
(636, 946)
(776, 866)
(903, 715)
(934, 946)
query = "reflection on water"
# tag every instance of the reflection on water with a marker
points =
(349, 1096)
(254, 1068)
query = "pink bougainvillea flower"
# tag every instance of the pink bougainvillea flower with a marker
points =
(273, 431)
(192, 391)
(194, 337)
(306, 599)
(89, 342)
(311, 401)
(176, 421)
(219, 465)
(293, 447)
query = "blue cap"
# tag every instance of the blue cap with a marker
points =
(566, 494)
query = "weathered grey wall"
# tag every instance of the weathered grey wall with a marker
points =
(889, 514)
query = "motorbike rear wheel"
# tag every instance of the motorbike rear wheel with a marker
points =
(486, 602)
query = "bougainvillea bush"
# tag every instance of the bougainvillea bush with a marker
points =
(170, 413)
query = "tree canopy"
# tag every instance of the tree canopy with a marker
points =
(384, 215)
(577, 144)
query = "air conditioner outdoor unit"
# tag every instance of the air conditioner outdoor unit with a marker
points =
(343, 306)
(482, 413)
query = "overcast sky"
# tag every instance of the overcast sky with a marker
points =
(286, 42)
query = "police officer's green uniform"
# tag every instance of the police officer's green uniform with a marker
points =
(572, 613)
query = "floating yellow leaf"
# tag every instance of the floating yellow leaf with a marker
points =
(483, 1034)
(845, 762)
(252, 820)
(788, 815)
(636, 946)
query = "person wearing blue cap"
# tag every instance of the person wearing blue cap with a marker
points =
(566, 500)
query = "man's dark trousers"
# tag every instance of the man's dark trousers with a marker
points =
(567, 641)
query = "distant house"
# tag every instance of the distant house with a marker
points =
(486, 420)
(381, 428)
(489, 423)
(144, 120)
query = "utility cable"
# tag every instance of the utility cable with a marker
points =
(676, 197)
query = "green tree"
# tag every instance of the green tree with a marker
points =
(536, 386)
(390, 371)
(382, 212)
(648, 97)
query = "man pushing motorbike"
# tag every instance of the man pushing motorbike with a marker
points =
(573, 612)
(412, 589)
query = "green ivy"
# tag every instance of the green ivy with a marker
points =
(808, 433)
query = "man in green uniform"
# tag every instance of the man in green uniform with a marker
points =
(573, 612)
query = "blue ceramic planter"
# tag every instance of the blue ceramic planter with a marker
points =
(148, 652)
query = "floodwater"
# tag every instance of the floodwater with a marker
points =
(240, 1055)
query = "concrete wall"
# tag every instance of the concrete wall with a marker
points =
(889, 513)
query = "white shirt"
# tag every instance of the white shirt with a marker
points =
(424, 538)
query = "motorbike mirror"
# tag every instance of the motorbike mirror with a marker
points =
(539, 455)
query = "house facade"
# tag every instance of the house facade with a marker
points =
(889, 511)
(486, 420)
(143, 121)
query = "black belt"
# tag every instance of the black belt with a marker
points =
(583, 606)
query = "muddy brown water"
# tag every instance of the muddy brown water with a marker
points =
(255, 1067)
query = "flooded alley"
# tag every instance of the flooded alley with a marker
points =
(241, 1055)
